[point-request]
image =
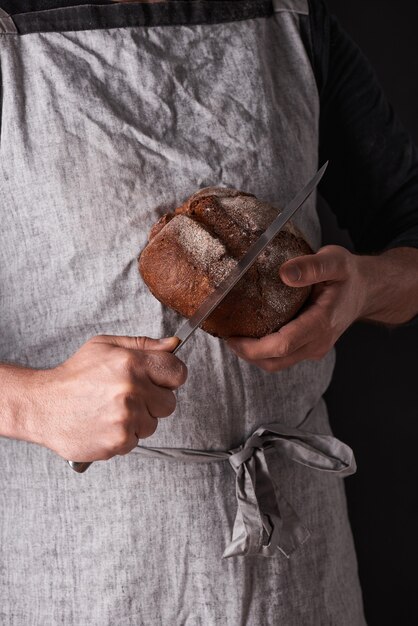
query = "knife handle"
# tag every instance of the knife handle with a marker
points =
(81, 466)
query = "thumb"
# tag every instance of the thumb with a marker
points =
(166, 344)
(330, 263)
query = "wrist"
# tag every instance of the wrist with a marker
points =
(390, 286)
(369, 268)
(20, 402)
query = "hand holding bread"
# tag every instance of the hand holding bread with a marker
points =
(340, 291)
(191, 250)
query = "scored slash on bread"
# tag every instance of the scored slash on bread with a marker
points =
(191, 250)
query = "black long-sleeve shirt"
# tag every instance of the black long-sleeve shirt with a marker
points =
(372, 179)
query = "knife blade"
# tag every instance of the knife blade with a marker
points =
(215, 298)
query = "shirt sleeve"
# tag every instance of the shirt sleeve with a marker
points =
(372, 180)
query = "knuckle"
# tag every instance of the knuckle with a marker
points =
(318, 269)
(125, 360)
(341, 259)
(120, 441)
(129, 390)
(109, 448)
(123, 406)
(122, 423)
(140, 343)
(126, 389)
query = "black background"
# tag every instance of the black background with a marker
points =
(373, 398)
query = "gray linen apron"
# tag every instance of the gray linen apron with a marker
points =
(111, 116)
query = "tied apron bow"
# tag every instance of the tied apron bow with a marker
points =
(265, 521)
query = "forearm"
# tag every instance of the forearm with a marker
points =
(391, 286)
(18, 405)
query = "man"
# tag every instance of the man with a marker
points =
(108, 113)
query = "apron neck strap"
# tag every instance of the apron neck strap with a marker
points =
(7, 25)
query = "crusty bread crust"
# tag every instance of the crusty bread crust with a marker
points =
(191, 250)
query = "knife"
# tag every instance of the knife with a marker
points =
(215, 298)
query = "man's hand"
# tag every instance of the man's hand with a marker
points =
(346, 287)
(106, 396)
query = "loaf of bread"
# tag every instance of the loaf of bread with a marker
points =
(191, 250)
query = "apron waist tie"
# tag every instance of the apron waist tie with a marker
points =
(265, 520)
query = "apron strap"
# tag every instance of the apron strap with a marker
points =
(292, 6)
(98, 15)
(7, 25)
(265, 521)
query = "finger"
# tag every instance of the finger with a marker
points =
(330, 263)
(139, 419)
(164, 369)
(130, 445)
(144, 423)
(308, 352)
(146, 426)
(167, 344)
(152, 402)
(146, 408)
(304, 329)
(160, 402)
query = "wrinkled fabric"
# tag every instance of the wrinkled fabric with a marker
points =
(103, 132)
